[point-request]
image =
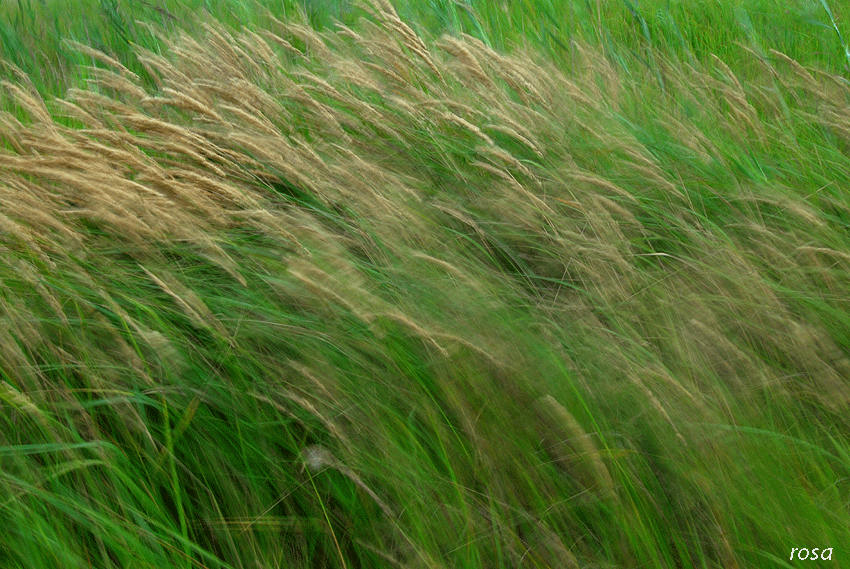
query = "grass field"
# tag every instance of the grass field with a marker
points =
(425, 285)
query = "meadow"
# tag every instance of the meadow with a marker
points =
(421, 284)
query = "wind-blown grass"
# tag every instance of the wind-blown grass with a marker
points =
(282, 298)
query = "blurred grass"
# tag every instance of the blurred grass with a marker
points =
(371, 299)
(811, 32)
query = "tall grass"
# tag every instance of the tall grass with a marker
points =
(33, 33)
(282, 297)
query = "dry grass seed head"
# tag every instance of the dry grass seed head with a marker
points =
(599, 183)
(102, 57)
(528, 142)
(415, 44)
(387, 13)
(23, 233)
(322, 86)
(656, 404)
(808, 81)
(119, 83)
(473, 69)
(727, 360)
(592, 66)
(311, 409)
(23, 403)
(324, 115)
(575, 93)
(839, 255)
(448, 267)
(312, 40)
(510, 71)
(191, 304)
(502, 158)
(834, 88)
(244, 94)
(200, 149)
(312, 278)
(31, 275)
(257, 45)
(817, 353)
(690, 137)
(31, 102)
(162, 71)
(183, 101)
(13, 359)
(382, 46)
(397, 316)
(17, 319)
(742, 113)
(613, 207)
(191, 203)
(369, 178)
(11, 131)
(739, 90)
(452, 118)
(561, 429)
(352, 71)
(282, 43)
(221, 46)
(42, 215)
(252, 117)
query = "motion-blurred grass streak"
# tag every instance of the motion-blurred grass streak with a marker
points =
(280, 297)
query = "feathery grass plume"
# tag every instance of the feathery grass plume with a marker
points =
(823, 364)
(98, 55)
(728, 361)
(581, 457)
(16, 319)
(833, 89)
(188, 103)
(474, 77)
(119, 83)
(256, 45)
(808, 82)
(325, 115)
(324, 385)
(614, 208)
(514, 131)
(400, 318)
(12, 354)
(331, 427)
(33, 234)
(590, 178)
(736, 99)
(409, 39)
(318, 458)
(314, 281)
(501, 158)
(24, 404)
(192, 306)
(594, 67)
(656, 404)
(27, 97)
(170, 357)
(31, 275)
(11, 131)
(312, 41)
